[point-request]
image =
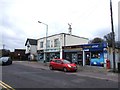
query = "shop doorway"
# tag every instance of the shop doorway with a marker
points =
(47, 57)
(87, 58)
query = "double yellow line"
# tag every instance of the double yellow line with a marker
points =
(5, 86)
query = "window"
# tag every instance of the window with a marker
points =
(95, 55)
(41, 44)
(51, 43)
(59, 61)
(56, 43)
(48, 43)
(66, 61)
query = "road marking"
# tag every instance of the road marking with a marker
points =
(4, 85)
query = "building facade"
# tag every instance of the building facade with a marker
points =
(31, 48)
(87, 54)
(19, 54)
(117, 56)
(53, 47)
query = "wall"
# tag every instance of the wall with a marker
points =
(117, 56)
(51, 38)
(71, 40)
(27, 48)
(33, 49)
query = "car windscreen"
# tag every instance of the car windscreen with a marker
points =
(66, 62)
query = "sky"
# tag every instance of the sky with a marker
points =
(19, 19)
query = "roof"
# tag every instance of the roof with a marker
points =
(31, 41)
(19, 50)
(65, 34)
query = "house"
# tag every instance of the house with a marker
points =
(53, 47)
(19, 54)
(31, 48)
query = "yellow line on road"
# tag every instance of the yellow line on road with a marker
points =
(4, 85)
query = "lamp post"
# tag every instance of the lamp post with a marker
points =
(45, 39)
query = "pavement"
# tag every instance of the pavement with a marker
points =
(86, 71)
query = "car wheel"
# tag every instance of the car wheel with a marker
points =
(65, 69)
(9, 62)
(51, 68)
(75, 70)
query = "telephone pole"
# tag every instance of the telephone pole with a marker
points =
(113, 37)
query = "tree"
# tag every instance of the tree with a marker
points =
(4, 52)
(117, 44)
(97, 40)
(108, 39)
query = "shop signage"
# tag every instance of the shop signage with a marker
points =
(74, 49)
(53, 50)
(95, 46)
(86, 49)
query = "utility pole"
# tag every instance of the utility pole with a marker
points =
(113, 37)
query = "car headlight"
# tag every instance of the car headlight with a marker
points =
(69, 66)
(95, 63)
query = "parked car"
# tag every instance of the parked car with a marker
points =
(62, 64)
(5, 60)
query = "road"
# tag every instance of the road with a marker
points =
(21, 76)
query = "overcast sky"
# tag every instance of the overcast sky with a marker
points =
(19, 19)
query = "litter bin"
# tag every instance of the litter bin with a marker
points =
(118, 67)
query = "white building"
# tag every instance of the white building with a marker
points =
(53, 49)
(117, 56)
(31, 48)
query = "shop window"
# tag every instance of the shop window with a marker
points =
(95, 55)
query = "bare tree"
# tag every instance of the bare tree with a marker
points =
(108, 39)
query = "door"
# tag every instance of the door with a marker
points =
(59, 64)
(87, 58)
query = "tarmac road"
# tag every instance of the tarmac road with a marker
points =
(21, 75)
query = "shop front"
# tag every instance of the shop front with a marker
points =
(73, 54)
(52, 54)
(49, 54)
(95, 54)
(40, 55)
(87, 54)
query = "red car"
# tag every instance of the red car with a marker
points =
(62, 64)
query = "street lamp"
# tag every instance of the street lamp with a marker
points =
(45, 39)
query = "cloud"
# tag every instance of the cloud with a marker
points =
(19, 19)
